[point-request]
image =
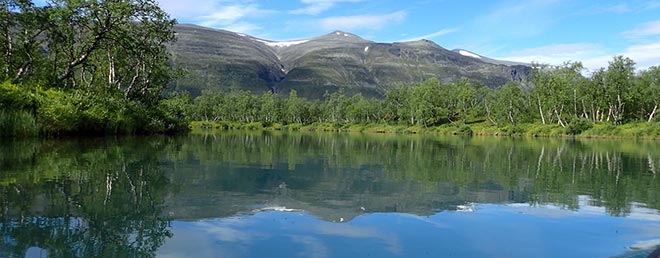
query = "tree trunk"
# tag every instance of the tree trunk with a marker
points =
(620, 109)
(8, 41)
(559, 118)
(540, 109)
(86, 52)
(655, 108)
(8, 52)
(488, 113)
(575, 109)
(510, 112)
(111, 69)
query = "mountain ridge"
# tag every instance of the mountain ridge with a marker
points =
(221, 59)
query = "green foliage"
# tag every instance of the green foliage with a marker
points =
(104, 65)
(514, 130)
(508, 104)
(59, 113)
(560, 98)
(176, 112)
(465, 130)
(13, 97)
(17, 124)
(602, 130)
(578, 126)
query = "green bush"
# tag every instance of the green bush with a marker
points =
(13, 97)
(59, 113)
(254, 126)
(293, 127)
(604, 129)
(17, 124)
(513, 129)
(578, 126)
(464, 130)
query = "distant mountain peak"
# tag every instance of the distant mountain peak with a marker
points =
(422, 42)
(342, 36)
(339, 59)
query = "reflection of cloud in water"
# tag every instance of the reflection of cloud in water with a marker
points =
(647, 229)
(188, 242)
(228, 234)
(225, 233)
(349, 231)
(314, 247)
(201, 239)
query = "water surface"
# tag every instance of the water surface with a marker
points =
(272, 194)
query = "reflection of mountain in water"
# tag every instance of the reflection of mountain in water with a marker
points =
(342, 199)
(109, 191)
(342, 176)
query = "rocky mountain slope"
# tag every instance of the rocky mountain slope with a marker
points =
(224, 59)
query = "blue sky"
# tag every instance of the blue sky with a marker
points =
(546, 31)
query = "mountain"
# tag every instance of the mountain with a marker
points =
(223, 59)
(488, 60)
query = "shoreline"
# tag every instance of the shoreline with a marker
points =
(638, 131)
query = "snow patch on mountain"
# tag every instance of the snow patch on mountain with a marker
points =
(469, 54)
(282, 43)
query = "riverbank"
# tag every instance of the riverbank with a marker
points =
(641, 130)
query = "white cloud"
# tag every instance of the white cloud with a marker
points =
(314, 7)
(243, 27)
(185, 10)
(221, 14)
(361, 22)
(644, 55)
(433, 35)
(644, 30)
(556, 54)
(588, 54)
(592, 56)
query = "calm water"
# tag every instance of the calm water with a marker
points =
(237, 194)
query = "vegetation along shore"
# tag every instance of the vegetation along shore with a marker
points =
(556, 101)
(102, 67)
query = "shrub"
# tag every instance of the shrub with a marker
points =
(513, 129)
(578, 126)
(58, 112)
(254, 126)
(13, 97)
(464, 130)
(17, 124)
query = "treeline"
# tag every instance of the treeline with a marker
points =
(552, 95)
(96, 66)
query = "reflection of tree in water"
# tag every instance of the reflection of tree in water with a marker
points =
(84, 200)
(610, 174)
(97, 198)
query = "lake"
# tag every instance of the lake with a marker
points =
(278, 194)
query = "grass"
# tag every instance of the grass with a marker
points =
(17, 124)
